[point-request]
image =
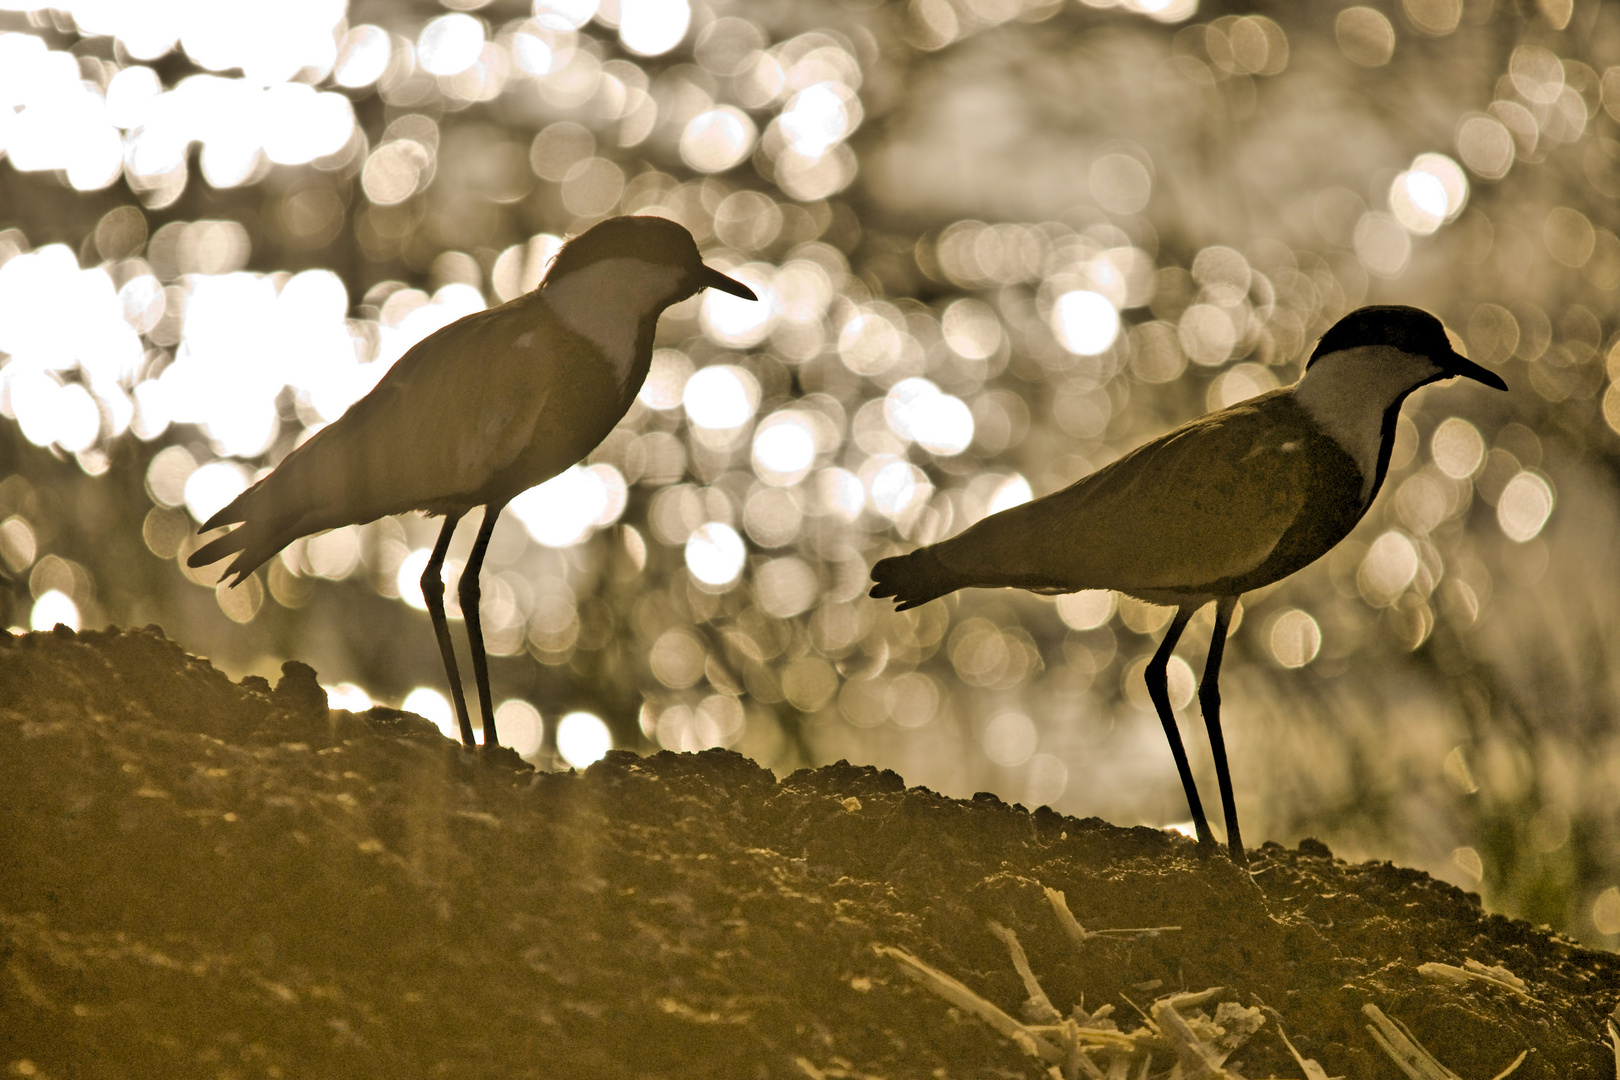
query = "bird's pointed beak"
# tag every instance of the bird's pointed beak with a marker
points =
(710, 278)
(1457, 364)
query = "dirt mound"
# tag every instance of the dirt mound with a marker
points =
(210, 879)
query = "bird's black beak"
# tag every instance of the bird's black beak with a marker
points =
(710, 278)
(1457, 364)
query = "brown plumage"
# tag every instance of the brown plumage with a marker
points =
(1226, 503)
(479, 411)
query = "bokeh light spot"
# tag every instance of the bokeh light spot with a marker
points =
(571, 505)
(1485, 146)
(1365, 36)
(917, 410)
(520, 726)
(1569, 236)
(717, 140)
(715, 554)
(1120, 183)
(1418, 201)
(450, 44)
(721, 397)
(666, 380)
(971, 328)
(1010, 739)
(582, 739)
(363, 57)
(1087, 609)
(1389, 566)
(52, 607)
(784, 448)
(434, 706)
(653, 27)
(210, 487)
(1295, 638)
(1524, 506)
(1383, 246)
(1458, 448)
(1085, 322)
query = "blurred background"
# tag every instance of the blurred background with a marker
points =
(998, 244)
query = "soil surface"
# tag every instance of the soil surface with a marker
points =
(200, 878)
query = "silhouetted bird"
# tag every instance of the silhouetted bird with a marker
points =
(1226, 503)
(480, 411)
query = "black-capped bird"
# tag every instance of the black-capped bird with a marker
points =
(478, 412)
(1226, 503)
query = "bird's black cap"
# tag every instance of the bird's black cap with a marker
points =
(652, 239)
(1409, 329)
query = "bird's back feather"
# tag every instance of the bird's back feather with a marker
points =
(1195, 512)
(474, 413)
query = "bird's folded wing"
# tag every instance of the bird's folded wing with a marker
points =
(457, 408)
(1205, 502)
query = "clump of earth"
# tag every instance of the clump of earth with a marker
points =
(205, 878)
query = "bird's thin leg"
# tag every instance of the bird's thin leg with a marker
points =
(1209, 700)
(433, 593)
(470, 594)
(1158, 690)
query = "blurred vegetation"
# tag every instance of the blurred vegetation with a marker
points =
(1000, 243)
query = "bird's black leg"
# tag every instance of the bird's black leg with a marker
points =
(1209, 700)
(433, 593)
(1158, 690)
(470, 594)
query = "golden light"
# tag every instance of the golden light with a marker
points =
(717, 140)
(1524, 506)
(1010, 492)
(1085, 322)
(520, 726)
(1388, 568)
(918, 411)
(1458, 448)
(213, 485)
(1295, 639)
(1382, 244)
(363, 56)
(737, 322)
(1365, 36)
(1010, 739)
(653, 27)
(896, 486)
(433, 706)
(1418, 201)
(570, 506)
(784, 448)
(971, 329)
(1486, 146)
(52, 607)
(666, 380)
(347, 696)
(721, 397)
(715, 554)
(450, 44)
(786, 586)
(1087, 609)
(1121, 183)
(1206, 334)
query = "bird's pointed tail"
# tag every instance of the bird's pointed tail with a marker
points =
(914, 579)
(266, 528)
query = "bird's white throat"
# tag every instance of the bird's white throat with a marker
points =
(1348, 392)
(606, 301)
